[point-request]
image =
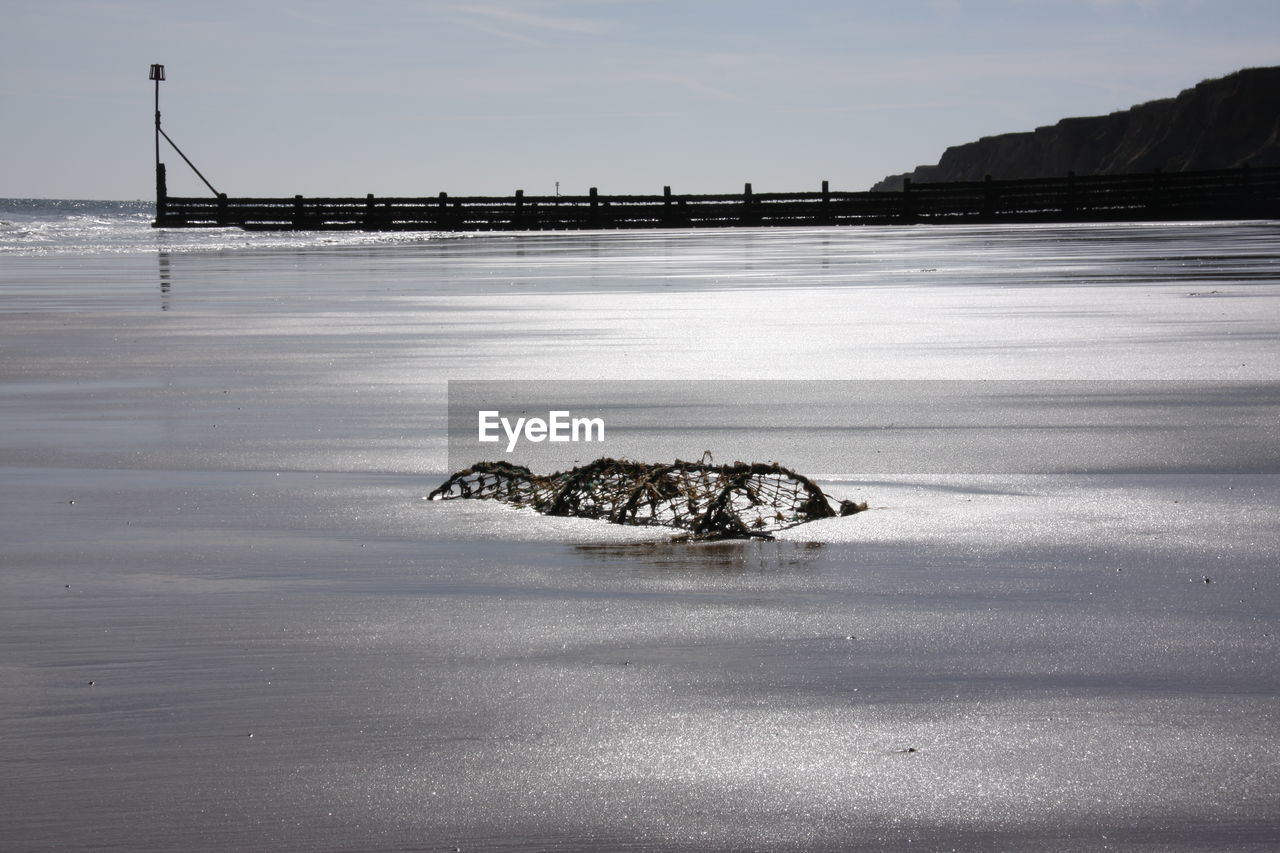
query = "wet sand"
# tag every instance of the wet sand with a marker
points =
(229, 621)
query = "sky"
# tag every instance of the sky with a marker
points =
(416, 97)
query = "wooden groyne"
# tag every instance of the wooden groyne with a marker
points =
(1246, 193)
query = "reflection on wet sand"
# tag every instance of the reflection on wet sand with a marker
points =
(733, 557)
(165, 281)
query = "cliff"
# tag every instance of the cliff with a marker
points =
(1218, 124)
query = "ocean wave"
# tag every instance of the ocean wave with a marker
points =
(39, 227)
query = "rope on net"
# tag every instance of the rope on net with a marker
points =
(737, 501)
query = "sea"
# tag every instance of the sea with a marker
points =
(230, 618)
(42, 227)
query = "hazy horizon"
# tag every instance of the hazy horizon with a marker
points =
(399, 98)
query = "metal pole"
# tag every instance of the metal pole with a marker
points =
(157, 124)
(157, 74)
(187, 160)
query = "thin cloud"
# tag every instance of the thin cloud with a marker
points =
(518, 21)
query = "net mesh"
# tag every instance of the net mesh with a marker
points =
(709, 501)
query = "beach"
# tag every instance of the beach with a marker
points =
(229, 620)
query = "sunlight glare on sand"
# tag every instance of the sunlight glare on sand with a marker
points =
(230, 620)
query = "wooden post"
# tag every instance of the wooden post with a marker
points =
(222, 209)
(368, 211)
(668, 216)
(908, 214)
(517, 219)
(594, 215)
(442, 221)
(297, 211)
(825, 218)
(747, 218)
(162, 195)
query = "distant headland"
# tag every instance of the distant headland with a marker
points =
(1224, 123)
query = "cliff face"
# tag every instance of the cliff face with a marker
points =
(1218, 124)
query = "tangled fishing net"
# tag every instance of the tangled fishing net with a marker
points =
(709, 501)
